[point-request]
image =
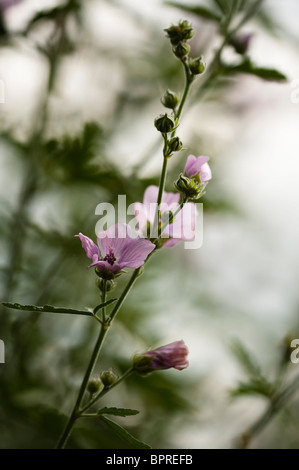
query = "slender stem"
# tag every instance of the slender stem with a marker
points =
(125, 293)
(75, 413)
(164, 226)
(160, 195)
(104, 293)
(276, 404)
(185, 94)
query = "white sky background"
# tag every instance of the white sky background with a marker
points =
(250, 263)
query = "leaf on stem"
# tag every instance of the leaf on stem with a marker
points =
(254, 387)
(117, 411)
(104, 304)
(124, 434)
(249, 68)
(197, 10)
(46, 308)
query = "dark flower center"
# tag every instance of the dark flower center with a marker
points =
(110, 258)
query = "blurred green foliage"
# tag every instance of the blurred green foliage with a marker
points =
(59, 180)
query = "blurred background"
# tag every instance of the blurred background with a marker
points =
(81, 83)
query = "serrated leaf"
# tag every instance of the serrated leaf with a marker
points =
(50, 308)
(105, 304)
(249, 68)
(117, 411)
(197, 10)
(124, 434)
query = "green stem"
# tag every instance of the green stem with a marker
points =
(276, 404)
(185, 94)
(75, 413)
(124, 293)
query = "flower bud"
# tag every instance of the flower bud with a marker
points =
(94, 385)
(172, 355)
(170, 99)
(197, 66)
(107, 284)
(108, 377)
(191, 188)
(164, 123)
(241, 43)
(175, 145)
(181, 50)
(181, 32)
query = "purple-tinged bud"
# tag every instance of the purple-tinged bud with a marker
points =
(172, 355)
(241, 42)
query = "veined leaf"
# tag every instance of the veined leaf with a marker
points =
(124, 434)
(197, 10)
(117, 411)
(51, 309)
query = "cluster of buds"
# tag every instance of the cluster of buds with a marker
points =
(106, 379)
(179, 36)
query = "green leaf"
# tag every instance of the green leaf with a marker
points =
(222, 6)
(248, 362)
(124, 434)
(197, 10)
(249, 68)
(117, 411)
(254, 387)
(105, 304)
(51, 309)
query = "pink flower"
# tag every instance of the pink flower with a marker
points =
(6, 4)
(198, 167)
(116, 249)
(172, 355)
(183, 226)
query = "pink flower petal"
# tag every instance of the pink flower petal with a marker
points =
(90, 247)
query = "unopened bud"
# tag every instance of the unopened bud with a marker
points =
(170, 99)
(241, 43)
(191, 188)
(108, 377)
(180, 32)
(181, 50)
(106, 284)
(175, 145)
(94, 385)
(197, 66)
(164, 123)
